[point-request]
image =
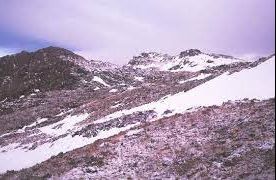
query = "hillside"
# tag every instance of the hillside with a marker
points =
(189, 116)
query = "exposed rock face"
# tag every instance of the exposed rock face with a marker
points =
(190, 52)
(71, 118)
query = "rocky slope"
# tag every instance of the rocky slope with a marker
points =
(157, 117)
(233, 140)
(25, 73)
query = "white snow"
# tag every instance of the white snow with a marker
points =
(99, 80)
(62, 127)
(113, 90)
(192, 64)
(34, 124)
(4, 100)
(200, 62)
(131, 88)
(39, 121)
(255, 83)
(97, 88)
(84, 81)
(18, 158)
(139, 78)
(22, 130)
(115, 106)
(133, 132)
(201, 76)
(36, 90)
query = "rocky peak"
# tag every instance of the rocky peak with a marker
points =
(66, 55)
(58, 52)
(45, 69)
(46, 53)
(149, 54)
(147, 58)
(190, 52)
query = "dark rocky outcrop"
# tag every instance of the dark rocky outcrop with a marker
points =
(190, 52)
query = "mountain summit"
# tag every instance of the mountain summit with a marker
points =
(46, 69)
(190, 52)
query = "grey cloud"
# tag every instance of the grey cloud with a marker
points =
(116, 30)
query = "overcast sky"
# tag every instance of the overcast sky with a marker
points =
(115, 30)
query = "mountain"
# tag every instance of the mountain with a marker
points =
(44, 70)
(190, 60)
(190, 116)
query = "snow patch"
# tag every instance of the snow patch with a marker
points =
(13, 158)
(24, 129)
(133, 132)
(191, 64)
(131, 88)
(202, 61)
(39, 121)
(115, 106)
(4, 100)
(139, 78)
(113, 90)
(99, 80)
(62, 127)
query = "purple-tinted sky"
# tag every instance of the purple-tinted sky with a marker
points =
(117, 30)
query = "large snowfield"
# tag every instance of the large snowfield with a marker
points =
(255, 83)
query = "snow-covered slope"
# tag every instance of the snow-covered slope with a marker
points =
(39, 144)
(16, 157)
(255, 83)
(191, 60)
